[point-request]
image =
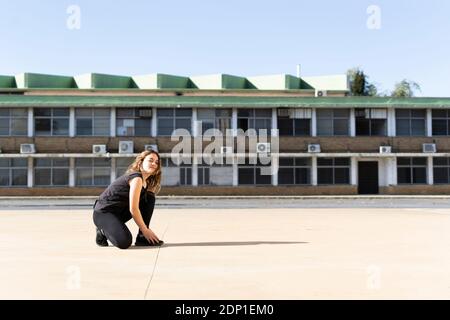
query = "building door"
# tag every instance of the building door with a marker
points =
(367, 177)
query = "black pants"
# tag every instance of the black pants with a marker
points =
(113, 223)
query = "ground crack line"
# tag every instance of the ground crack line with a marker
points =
(154, 266)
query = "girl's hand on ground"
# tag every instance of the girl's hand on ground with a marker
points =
(150, 236)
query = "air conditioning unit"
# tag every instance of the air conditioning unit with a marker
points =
(149, 147)
(385, 149)
(145, 113)
(263, 147)
(321, 93)
(27, 148)
(226, 150)
(429, 148)
(314, 148)
(98, 148)
(126, 147)
(284, 112)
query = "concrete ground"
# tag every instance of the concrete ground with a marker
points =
(253, 253)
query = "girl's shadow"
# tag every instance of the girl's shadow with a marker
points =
(217, 244)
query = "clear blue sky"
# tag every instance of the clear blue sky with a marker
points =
(230, 36)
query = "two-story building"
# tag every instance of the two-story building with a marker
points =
(64, 135)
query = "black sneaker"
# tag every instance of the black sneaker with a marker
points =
(141, 241)
(101, 239)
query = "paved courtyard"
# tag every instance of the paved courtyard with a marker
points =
(234, 253)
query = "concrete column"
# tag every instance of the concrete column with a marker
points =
(388, 171)
(194, 171)
(313, 122)
(154, 122)
(430, 173)
(353, 171)
(274, 163)
(71, 172)
(30, 122)
(113, 122)
(72, 122)
(314, 171)
(30, 180)
(429, 126)
(391, 122)
(394, 172)
(274, 122)
(382, 176)
(234, 121)
(391, 170)
(235, 172)
(113, 169)
(194, 131)
(352, 123)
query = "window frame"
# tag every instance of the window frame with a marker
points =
(11, 118)
(11, 168)
(92, 169)
(173, 118)
(411, 167)
(333, 167)
(296, 167)
(52, 168)
(52, 118)
(410, 118)
(332, 119)
(92, 119)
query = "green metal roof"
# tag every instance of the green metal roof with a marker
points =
(104, 81)
(166, 81)
(163, 81)
(279, 82)
(219, 101)
(7, 82)
(37, 80)
(221, 81)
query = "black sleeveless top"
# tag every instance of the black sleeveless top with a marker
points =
(116, 198)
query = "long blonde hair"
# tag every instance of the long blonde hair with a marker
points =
(153, 181)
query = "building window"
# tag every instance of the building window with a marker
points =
(134, 122)
(171, 119)
(185, 175)
(92, 121)
(209, 173)
(250, 174)
(51, 121)
(176, 174)
(441, 170)
(412, 170)
(333, 170)
(51, 172)
(410, 122)
(13, 122)
(255, 119)
(122, 165)
(13, 172)
(214, 118)
(92, 171)
(294, 171)
(371, 122)
(333, 122)
(441, 122)
(203, 175)
(294, 122)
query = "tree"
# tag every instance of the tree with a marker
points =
(405, 88)
(359, 84)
